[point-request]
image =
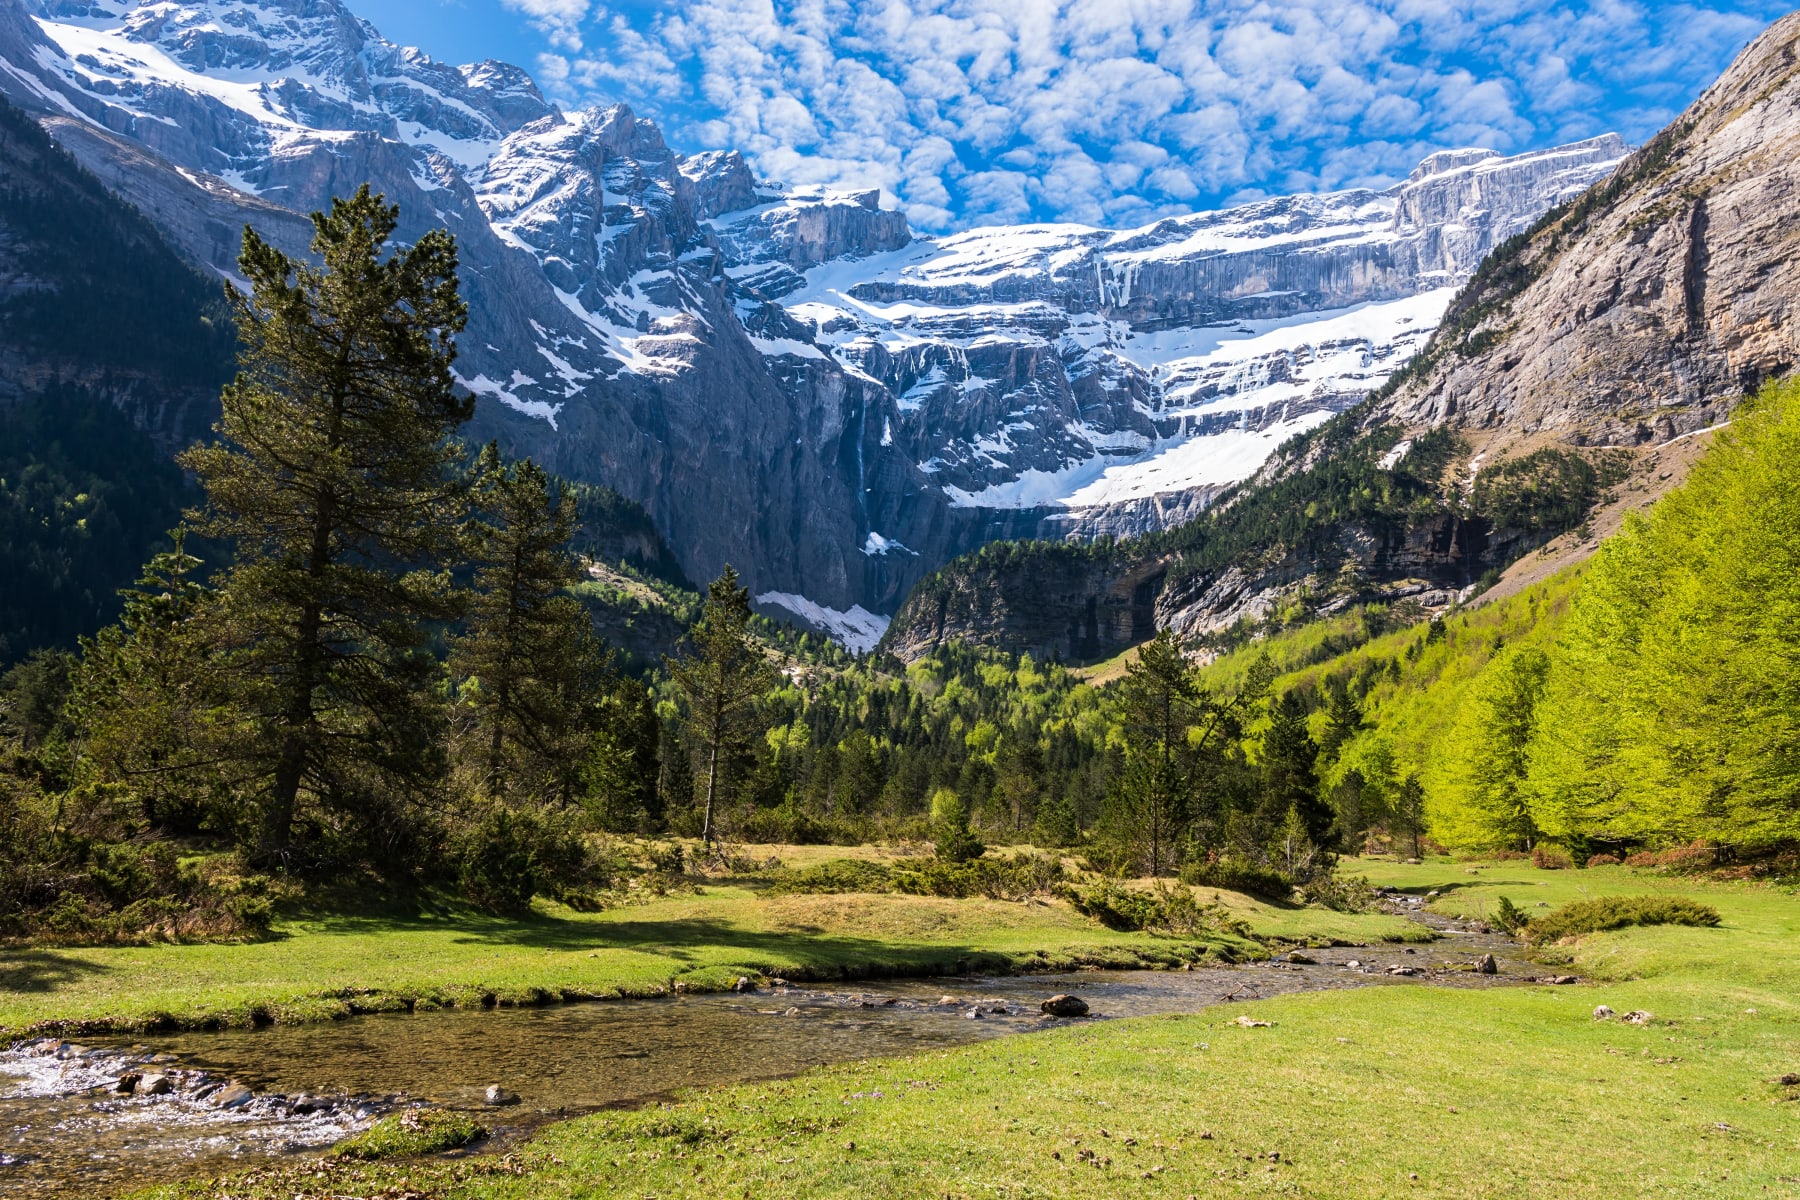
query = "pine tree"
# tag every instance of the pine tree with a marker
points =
(534, 675)
(1290, 772)
(1343, 720)
(722, 680)
(1174, 729)
(336, 477)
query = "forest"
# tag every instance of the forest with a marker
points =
(393, 672)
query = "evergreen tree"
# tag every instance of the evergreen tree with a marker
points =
(1290, 780)
(533, 673)
(336, 479)
(1343, 720)
(1176, 732)
(722, 680)
(144, 697)
(950, 833)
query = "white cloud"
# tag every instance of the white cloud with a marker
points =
(559, 20)
(1105, 110)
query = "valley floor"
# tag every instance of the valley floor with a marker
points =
(330, 966)
(1416, 1091)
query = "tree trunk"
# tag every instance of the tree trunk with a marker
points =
(712, 784)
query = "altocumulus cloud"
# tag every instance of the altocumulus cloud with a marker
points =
(1119, 111)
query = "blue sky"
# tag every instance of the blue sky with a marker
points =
(1109, 112)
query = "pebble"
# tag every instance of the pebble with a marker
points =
(232, 1095)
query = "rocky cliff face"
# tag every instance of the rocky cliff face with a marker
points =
(1639, 312)
(786, 379)
(1650, 310)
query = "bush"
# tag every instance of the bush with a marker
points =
(1549, 858)
(1619, 912)
(1696, 856)
(415, 1131)
(1603, 860)
(1162, 909)
(1339, 893)
(1017, 878)
(1235, 875)
(828, 878)
(514, 854)
(1509, 916)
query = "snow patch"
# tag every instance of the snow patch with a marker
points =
(857, 631)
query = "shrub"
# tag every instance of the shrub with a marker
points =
(1509, 916)
(1236, 875)
(1603, 860)
(1339, 893)
(836, 876)
(1161, 909)
(415, 1131)
(1549, 858)
(1619, 912)
(1017, 878)
(1696, 856)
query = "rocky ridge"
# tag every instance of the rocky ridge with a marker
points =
(1622, 324)
(786, 379)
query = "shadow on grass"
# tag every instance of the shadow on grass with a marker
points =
(43, 970)
(1445, 888)
(693, 941)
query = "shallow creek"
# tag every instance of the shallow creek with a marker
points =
(66, 1131)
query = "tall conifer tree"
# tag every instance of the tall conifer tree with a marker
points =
(722, 680)
(535, 671)
(337, 479)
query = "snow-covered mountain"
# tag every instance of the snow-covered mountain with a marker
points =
(787, 379)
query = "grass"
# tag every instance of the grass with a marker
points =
(411, 1133)
(329, 967)
(1379, 1092)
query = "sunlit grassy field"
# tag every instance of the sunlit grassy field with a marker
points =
(1397, 1091)
(326, 966)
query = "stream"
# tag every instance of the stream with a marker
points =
(237, 1097)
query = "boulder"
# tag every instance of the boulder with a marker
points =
(1603, 1012)
(155, 1085)
(742, 984)
(498, 1097)
(1636, 1016)
(1485, 965)
(128, 1084)
(1061, 1005)
(1304, 960)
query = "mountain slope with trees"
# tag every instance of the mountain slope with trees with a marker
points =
(1638, 313)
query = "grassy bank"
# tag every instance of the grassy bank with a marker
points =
(1413, 1091)
(329, 967)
